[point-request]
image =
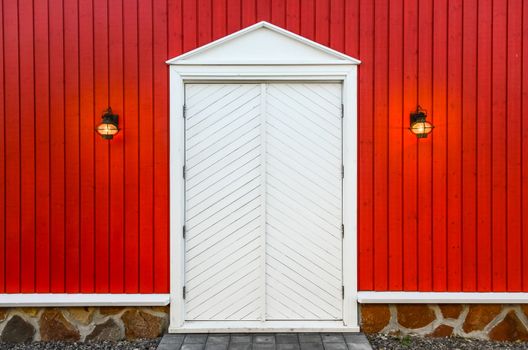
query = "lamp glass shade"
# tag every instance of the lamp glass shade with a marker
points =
(421, 128)
(107, 130)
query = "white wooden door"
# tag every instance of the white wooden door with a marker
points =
(263, 201)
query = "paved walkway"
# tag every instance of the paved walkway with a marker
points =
(276, 341)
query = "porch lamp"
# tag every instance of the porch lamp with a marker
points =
(419, 126)
(109, 125)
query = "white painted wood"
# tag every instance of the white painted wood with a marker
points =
(64, 300)
(350, 309)
(263, 43)
(177, 200)
(267, 268)
(331, 69)
(263, 200)
(222, 258)
(441, 298)
(262, 327)
(304, 284)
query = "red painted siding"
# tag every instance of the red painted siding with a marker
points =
(447, 213)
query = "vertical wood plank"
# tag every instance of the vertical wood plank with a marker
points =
(86, 147)
(146, 148)
(174, 9)
(380, 145)
(117, 176)
(514, 144)
(56, 37)
(219, 19)
(322, 22)
(410, 73)
(42, 149)
(12, 147)
(189, 26)
(439, 138)
(469, 146)
(395, 155)
(307, 19)
(101, 148)
(524, 113)
(454, 146)
(484, 135)
(499, 139)
(27, 148)
(263, 8)
(71, 146)
(161, 157)
(278, 12)
(131, 144)
(249, 12)
(2, 157)
(425, 148)
(352, 30)
(365, 147)
(234, 16)
(293, 21)
(130, 137)
(204, 21)
(337, 25)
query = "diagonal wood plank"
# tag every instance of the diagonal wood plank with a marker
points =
(222, 162)
(263, 201)
(303, 203)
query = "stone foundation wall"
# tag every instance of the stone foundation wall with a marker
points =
(486, 321)
(481, 321)
(82, 323)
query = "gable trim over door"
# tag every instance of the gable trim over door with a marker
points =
(187, 71)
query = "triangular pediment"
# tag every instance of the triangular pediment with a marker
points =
(263, 43)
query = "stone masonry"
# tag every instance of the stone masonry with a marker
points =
(486, 321)
(82, 323)
(480, 321)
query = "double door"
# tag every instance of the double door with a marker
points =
(263, 201)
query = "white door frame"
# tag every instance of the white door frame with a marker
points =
(182, 72)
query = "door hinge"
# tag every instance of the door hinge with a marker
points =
(183, 231)
(342, 230)
(184, 110)
(343, 292)
(183, 171)
(342, 111)
(184, 292)
(342, 171)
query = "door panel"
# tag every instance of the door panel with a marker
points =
(223, 249)
(263, 164)
(303, 202)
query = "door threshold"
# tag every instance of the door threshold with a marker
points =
(262, 327)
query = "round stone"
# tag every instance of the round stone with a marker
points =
(374, 317)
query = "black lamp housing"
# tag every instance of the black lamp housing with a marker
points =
(419, 125)
(109, 126)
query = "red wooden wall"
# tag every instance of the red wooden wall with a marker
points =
(447, 213)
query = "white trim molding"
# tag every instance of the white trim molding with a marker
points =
(262, 53)
(441, 298)
(262, 327)
(66, 300)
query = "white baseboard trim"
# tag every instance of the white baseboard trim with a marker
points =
(262, 327)
(441, 298)
(65, 300)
